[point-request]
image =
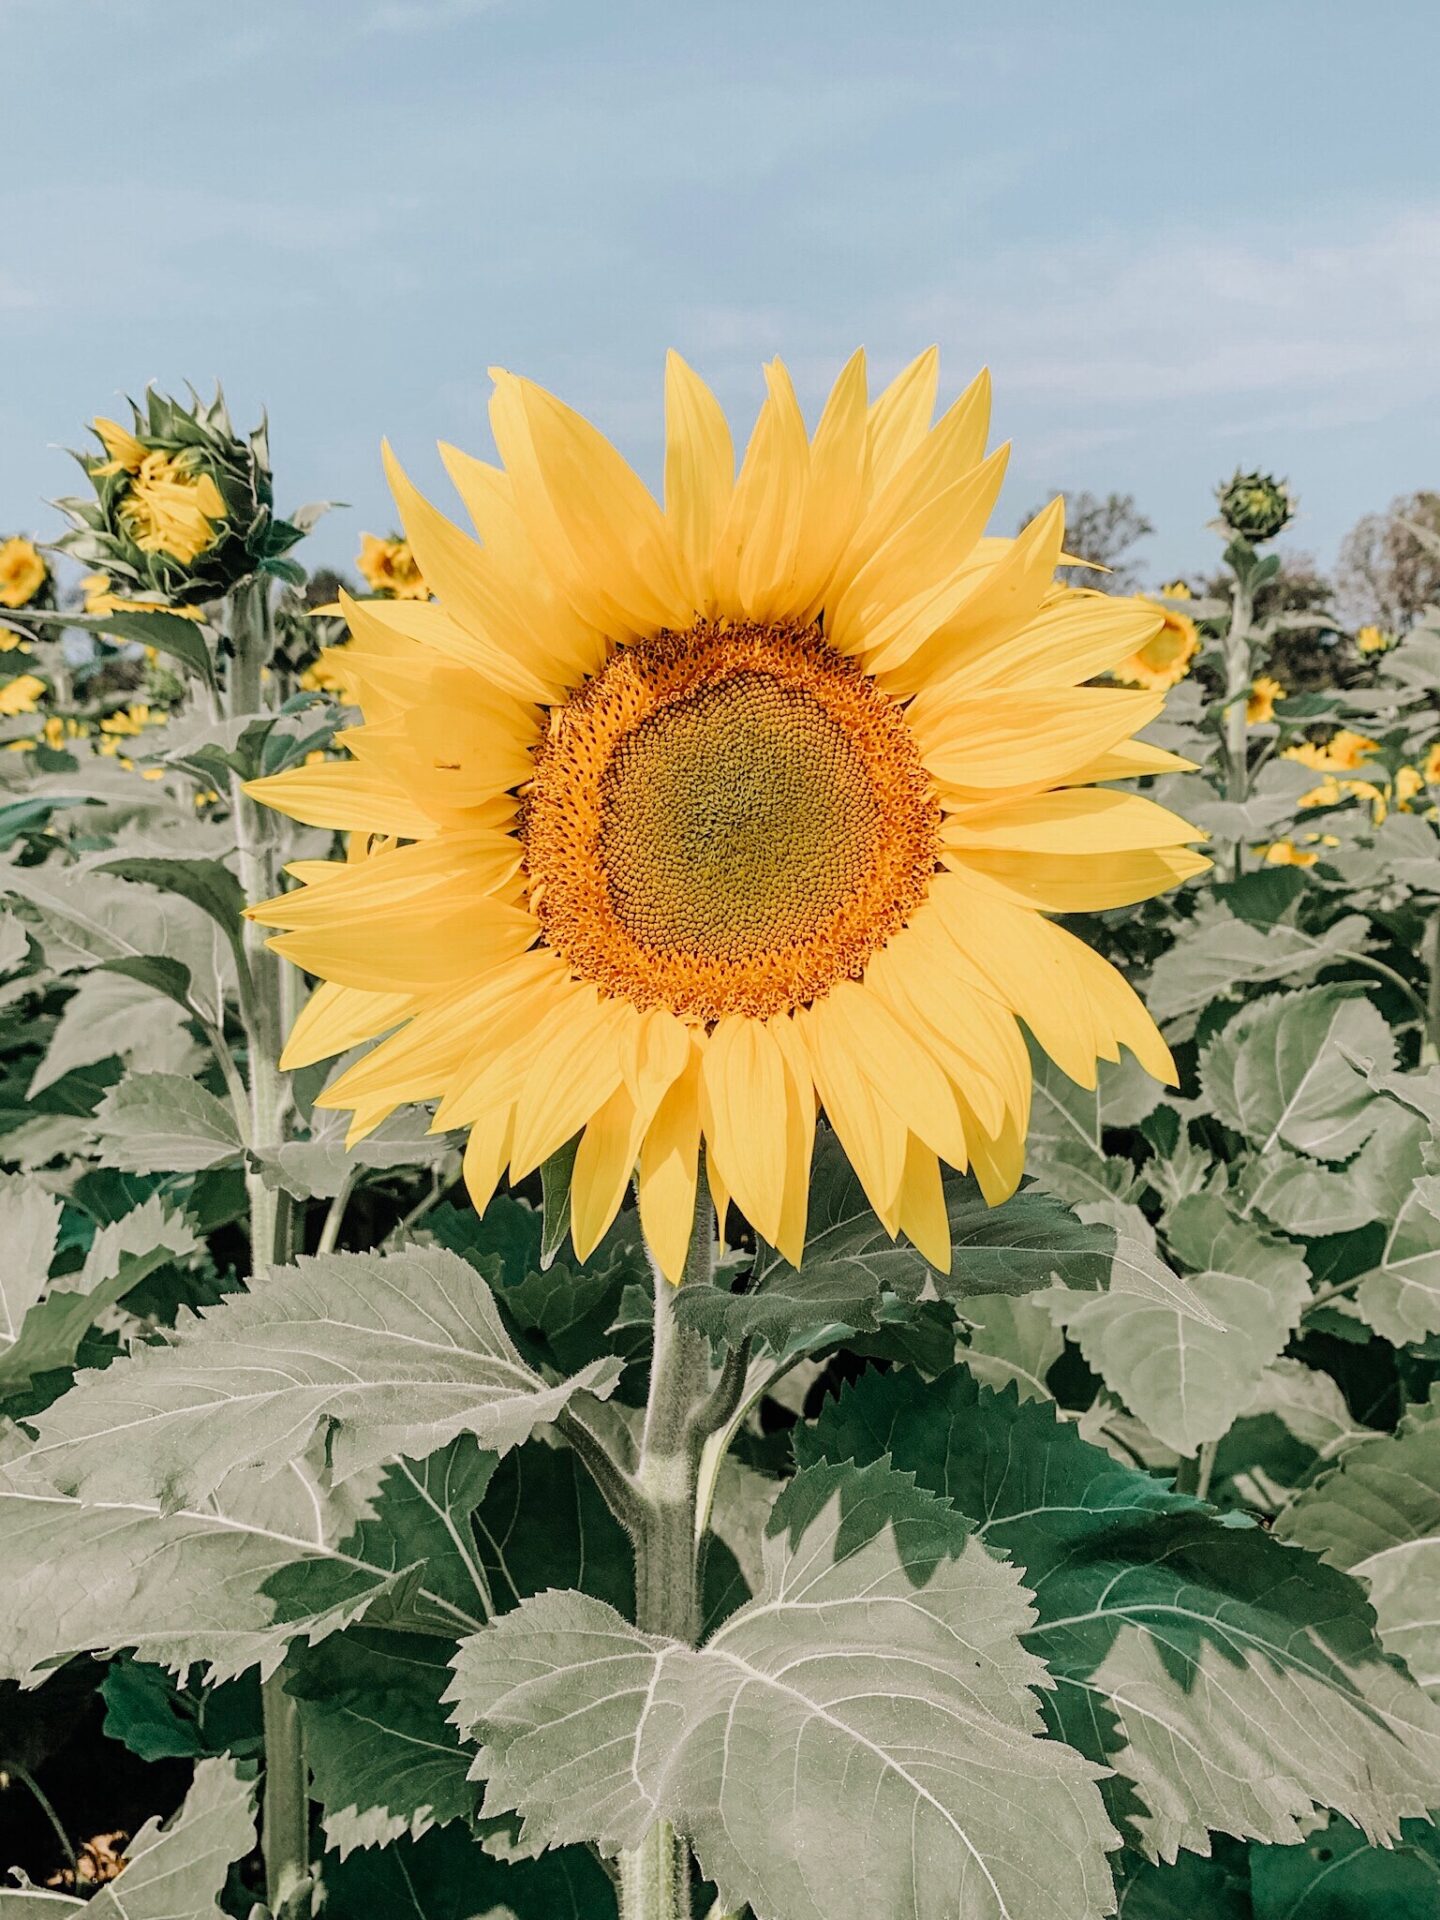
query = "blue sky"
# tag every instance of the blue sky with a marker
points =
(1183, 233)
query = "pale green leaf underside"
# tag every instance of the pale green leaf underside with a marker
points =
(1378, 1516)
(385, 1354)
(860, 1738)
(230, 1583)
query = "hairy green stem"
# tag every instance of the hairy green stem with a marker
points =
(1430, 1045)
(285, 1825)
(285, 1833)
(1238, 675)
(655, 1876)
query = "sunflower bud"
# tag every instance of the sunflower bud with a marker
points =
(1255, 506)
(183, 507)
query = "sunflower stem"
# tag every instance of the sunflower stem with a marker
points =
(285, 1828)
(1238, 676)
(655, 1876)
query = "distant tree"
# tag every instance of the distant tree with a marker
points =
(1386, 574)
(1103, 531)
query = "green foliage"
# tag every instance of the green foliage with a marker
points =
(1096, 1569)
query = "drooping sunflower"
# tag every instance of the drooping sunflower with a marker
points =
(683, 823)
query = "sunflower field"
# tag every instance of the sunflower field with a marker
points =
(714, 1205)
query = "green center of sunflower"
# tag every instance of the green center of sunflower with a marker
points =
(727, 821)
(736, 820)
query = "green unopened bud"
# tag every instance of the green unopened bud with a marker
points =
(1255, 506)
(183, 506)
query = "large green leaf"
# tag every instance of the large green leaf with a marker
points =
(29, 1228)
(164, 1122)
(1232, 1681)
(385, 1354)
(1378, 1516)
(230, 1583)
(174, 1872)
(446, 1876)
(851, 1263)
(1186, 1377)
(1400, 1295)
(864, 1731)
(111, 1014)
(206, 884)
(120, 1256)
(384, 1756)
(89, 919)
(1217, 956)
(1191, 1889)
(1281, 1074)
(1337, 1875)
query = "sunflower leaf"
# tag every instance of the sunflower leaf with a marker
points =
(384, 1757)
(447, 1875)
(1377, 1515)
(168, 1122)
(851, 1263)
(1165, 1625)
(1337, 1875)
(379, 1354)
(866, 1721)
(1280, 1073)
(232, 1583)
(169, 1870)
(1187, 1362)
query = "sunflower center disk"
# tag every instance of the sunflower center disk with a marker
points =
(727, 821)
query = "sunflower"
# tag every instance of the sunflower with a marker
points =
(389, 567)
(1260, 705)
(680, 824)
(23, 572)
(1164, 658)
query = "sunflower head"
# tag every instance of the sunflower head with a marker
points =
(1260, 705)
(389, 568)
(1373, 639)
(689, 822)
(182, 507)
(22, 694)
(1165, 657)
(24, 577)
(1255, 506)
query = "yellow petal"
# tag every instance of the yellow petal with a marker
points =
(1080, 882)
(900, 418)
(1086, 821)
(902, 1074)
(668, 1172)
(914, 583)
(922, 1213)
(755, 555)
(699, 471)
(835, 489)
(576, 1067)
(588, 514)
(873, 1138)
(746, 1115)
(1030, 738)
(334, 1019)
(946, 454)
(343, 794)
(604, 1162)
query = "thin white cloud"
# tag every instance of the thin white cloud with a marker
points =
(422, 16)
(1352, 320)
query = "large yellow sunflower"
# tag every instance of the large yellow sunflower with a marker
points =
(684, 822)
